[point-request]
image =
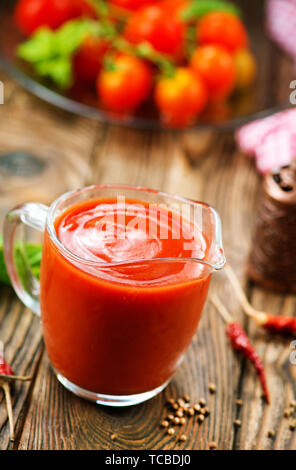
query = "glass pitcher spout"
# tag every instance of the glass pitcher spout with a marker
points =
(217, 260)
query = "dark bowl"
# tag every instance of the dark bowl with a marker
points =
(269, 93)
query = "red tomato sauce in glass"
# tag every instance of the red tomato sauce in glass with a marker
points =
(121, 329)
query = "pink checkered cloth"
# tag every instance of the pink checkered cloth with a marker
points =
(272, 141)
(281, 24)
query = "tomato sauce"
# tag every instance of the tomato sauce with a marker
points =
(121, 329)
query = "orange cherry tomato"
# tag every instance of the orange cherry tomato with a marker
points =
(180, 98)
(87, 61)
(175, 6)
(217, 68)
(246, 68)
(224, 29)
(166, 33)
(125, 84)
(217, 111)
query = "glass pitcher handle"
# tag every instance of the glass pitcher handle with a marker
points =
(25, 283)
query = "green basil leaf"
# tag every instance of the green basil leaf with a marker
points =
(38, 47)
(31, 252)
(50, 52)
(200, 8)
(59, 70)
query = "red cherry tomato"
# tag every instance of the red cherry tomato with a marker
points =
(224, 29)
(166, 33)
(175, 6)
(132, 4)
(180, 98)
(32, 14)
(84, 8)
(125, 84)
(217, 68)
(88, 60)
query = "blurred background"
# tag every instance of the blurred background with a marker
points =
(56, 135)
(45, 150)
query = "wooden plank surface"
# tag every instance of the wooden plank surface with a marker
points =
(204, 165)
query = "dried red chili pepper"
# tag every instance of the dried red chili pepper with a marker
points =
(281, 325)
(275, 324)
(6, 376)
(5, 368)
(241, 343)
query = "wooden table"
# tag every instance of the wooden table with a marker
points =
(203, 165)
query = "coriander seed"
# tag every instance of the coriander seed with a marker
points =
(200, 418)
(292, 425)
(181, 402)
(212, 445)
(191, 411)
(212, 387)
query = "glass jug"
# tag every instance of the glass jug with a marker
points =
(116, 331)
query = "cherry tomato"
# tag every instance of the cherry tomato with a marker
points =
(165, 32)
(88, 60)
(84, 8)
(217, 111)
(175, 6)
(217, 68)
(246, 68)
(125, 84)
(132, 4)
(32, 14)
(224, 29)
(180, 98)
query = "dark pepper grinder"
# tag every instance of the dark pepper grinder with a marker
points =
(272, 262)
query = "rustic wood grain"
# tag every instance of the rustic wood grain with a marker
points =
(21, 333)
(204, 165)
(232, 189)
